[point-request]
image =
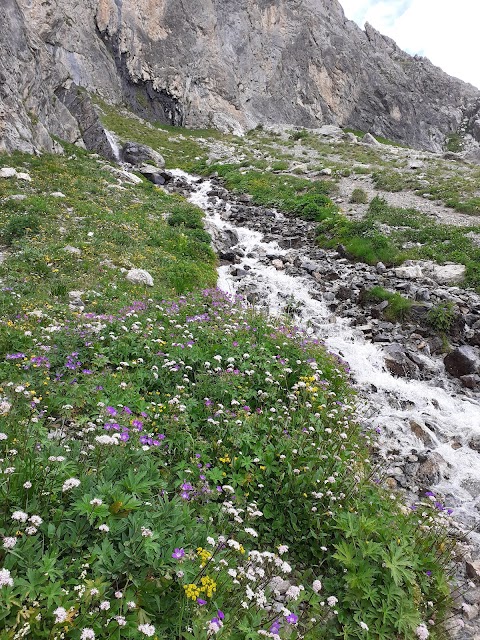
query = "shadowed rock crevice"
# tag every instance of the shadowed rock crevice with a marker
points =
(143, 99)
(81, 107)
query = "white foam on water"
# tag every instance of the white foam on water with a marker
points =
(390, 402)
(114, 144)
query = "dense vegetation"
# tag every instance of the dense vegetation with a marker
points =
(175, 465)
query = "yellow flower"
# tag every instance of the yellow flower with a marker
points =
(191, 591)
(209, 586)
(204, 555)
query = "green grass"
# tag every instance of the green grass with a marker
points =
(177, 376)
(305, 198)
(398, 306)
(359, 196)
(181, 148)
(442, 316)
(454, 142)
(126, 227)
(366, 241)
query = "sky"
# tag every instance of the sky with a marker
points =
(445, 31)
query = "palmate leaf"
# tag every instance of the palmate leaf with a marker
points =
(407, 618)
(345, 553)
(396, 559)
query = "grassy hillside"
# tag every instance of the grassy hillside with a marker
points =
(283, 171)
(174, 464)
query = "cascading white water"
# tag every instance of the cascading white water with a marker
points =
(390, 403)
(114, 144)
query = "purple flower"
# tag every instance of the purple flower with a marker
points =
(275, 628)
(138, 424)
(111, 410)
(178, 553)
(220, 614)
(429, 573)
(292, 618)
(124, 437)
(127, 410)
(201, 602)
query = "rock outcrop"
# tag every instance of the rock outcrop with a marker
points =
(225, 64)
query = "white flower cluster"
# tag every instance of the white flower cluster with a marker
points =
(71, 483)
(5, 579)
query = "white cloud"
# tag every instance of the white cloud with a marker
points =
(443, 30)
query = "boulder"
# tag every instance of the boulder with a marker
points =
(473, 570)
(329, 130)
(462, 361)
(24, 176)
(422, 433)
(139, 154)
(409, 272)
(140, 276)
(158, 177)
(370, 140)
(474, 442)
(351, 137)
(448, 273)
(73, 250)
(415, 164)
(8, 172)
(472, 381)
(398, 362)
(430, 470)
(75, 301)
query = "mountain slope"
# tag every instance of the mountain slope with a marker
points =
(231, 65)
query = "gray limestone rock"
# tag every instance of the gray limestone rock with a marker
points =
(370, 140)
(140, 276)
(139, 154)
(227, 64)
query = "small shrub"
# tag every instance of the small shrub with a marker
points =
(19, 226)
(454, 142)
(442, 316)
(190, 219)
(299, 135)
(280, 165)
(359, 196)
(398, 307)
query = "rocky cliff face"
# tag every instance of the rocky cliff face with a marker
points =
(225, 64)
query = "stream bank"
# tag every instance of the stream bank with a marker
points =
(428, 420)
